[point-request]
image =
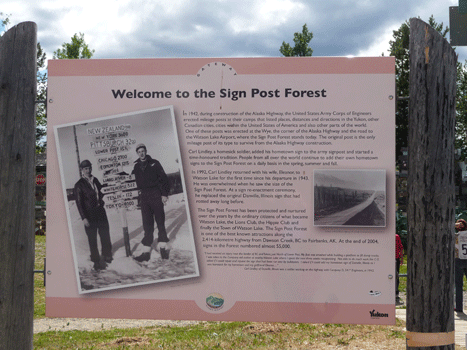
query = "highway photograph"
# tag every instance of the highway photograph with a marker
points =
(350, 197)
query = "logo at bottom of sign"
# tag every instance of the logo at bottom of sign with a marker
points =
(215, 301)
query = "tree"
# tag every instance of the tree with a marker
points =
(74, 50)
(461, 109)
(77, 48)
(41, 118)
(301, 41)
(4, 20)
(399, 48)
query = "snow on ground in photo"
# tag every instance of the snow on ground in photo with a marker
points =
(123, 270)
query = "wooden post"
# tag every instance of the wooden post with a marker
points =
(17, 170)
(430, 214)
(124, 223)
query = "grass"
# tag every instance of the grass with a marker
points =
(403, 280)
(39, 288)
(230, 335)
(217, 335)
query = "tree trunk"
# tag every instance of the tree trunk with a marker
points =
(17, 169)
(430, 214)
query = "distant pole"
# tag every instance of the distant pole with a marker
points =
(430, 214)
(17, 170)
(77, 151)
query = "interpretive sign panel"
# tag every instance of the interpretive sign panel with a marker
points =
(282, 208)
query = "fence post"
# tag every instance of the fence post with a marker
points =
(17, 168)
(430, 214)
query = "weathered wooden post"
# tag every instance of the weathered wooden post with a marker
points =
(430, 214)
(17, 148)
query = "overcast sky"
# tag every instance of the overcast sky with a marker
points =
(221, 28)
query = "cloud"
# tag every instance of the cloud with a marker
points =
(221, 28)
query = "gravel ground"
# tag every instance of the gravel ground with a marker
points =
(95, 324)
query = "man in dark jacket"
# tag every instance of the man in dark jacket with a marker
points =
(90, 205)
(153, 185)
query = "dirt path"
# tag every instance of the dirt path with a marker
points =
(96, 324)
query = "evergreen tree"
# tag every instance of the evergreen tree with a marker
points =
(41, 118)
(399, 48)
(76, 49)
(301, 47)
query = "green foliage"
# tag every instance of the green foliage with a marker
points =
(39, 288)
(401, 227)
(41, 118)
(301, 41)
(4, 20)
(461, 109)
(461, 214)
(403, 280)
(77, 49)
(399, 48)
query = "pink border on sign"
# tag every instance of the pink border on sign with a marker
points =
(260, 65)
(261, 311)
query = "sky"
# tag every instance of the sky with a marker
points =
(221, 28)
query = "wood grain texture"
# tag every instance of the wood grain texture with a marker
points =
(17, 170)
(430, 213)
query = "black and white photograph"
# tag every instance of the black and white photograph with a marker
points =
(125, 197)
(348, 197)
